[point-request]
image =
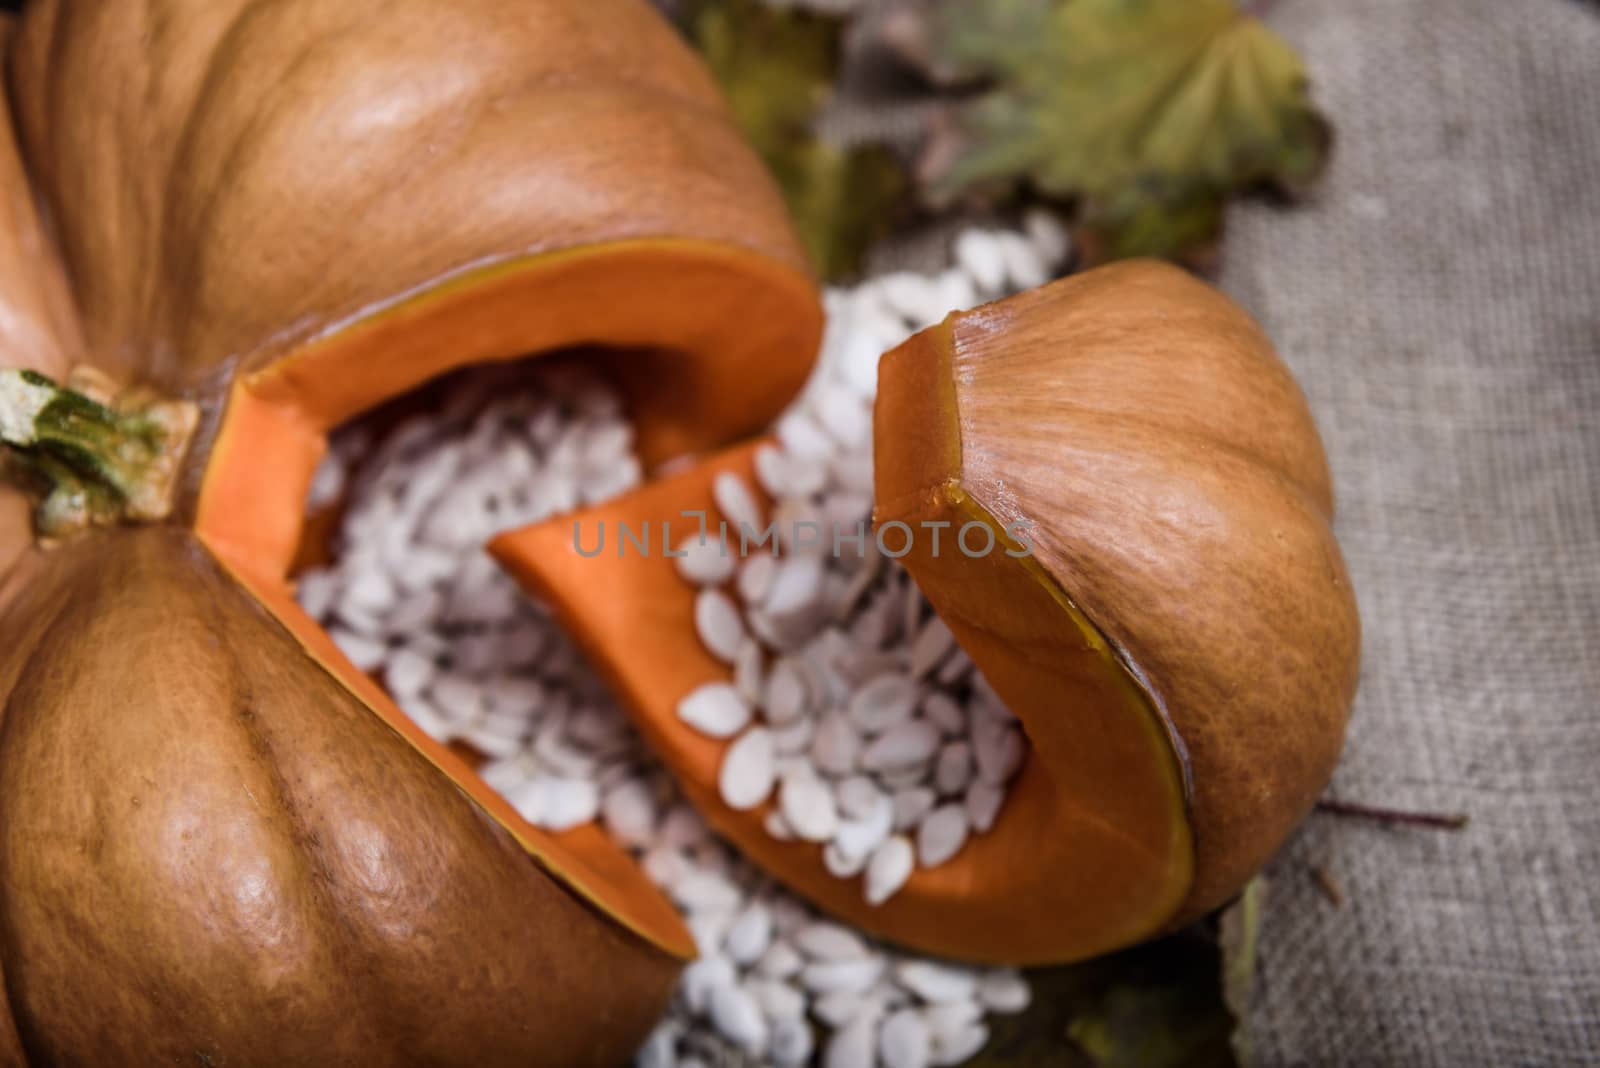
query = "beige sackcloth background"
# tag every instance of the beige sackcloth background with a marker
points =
(1440, 303)
(1439, 299)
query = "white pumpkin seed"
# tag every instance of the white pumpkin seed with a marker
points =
(715, 709)
(837, 745)
(750, 934)
(911, 805)
(941, 835)
(983, 805)
(719, 624)
(884, 702)
(788, 693)
(978, 253)
(953, 771)
(834, 976)
(823, 940)
(791, 1044)
(937, 983)
(889, 868)
(1005, 992)
(903, 1040)
(736, 1014)
(748, 770)
(755, 579)
(707, 561)
(807, 803)
(737, 504)
(909, 743)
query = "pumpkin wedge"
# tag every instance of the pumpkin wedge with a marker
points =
(1175, 629)
(1162, 461)
(275, 217)
(1014, 895)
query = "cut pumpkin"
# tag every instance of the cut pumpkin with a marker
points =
(287, 214)
(1138, 429)
(1056, 878)
(1164, 608)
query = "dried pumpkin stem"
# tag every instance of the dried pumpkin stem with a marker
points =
(97, 461)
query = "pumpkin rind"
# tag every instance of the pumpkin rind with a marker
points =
(229, 178)
(203, 835)
(1166, 465)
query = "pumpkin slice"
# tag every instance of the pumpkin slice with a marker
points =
(1162, 604)
(207, 837)
(1136, 427)
(1061, 875)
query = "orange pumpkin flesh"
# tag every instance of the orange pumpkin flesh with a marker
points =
(314, 206)
(692, 382)
(1096, 880)
(1181, 644)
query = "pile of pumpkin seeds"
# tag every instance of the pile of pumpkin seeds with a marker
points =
(413, 598)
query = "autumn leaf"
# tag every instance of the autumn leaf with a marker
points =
(1238, 927)
(1157, 1005)
(776, 68)
(1147, 114)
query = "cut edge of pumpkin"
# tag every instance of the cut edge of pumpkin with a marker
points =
(1034, 653)
(721, 338)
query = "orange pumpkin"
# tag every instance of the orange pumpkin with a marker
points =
(218, 840)
(1181, 642)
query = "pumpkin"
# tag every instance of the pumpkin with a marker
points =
(1178, 634)
(220, 840)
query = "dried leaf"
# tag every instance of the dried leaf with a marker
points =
(1238, 927)
(776, 67)
(1155, 1006)
(1147, 113)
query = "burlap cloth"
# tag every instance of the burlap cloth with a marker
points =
(1440, 301)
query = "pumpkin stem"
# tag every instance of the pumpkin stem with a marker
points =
(98, 459)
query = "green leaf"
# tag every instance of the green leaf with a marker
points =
(1147, 113)
(776, 68)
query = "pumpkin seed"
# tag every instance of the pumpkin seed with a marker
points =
(748, 770)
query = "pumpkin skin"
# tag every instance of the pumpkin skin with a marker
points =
(37, 328)
(1178, 501)
(325, 203)
(257, 869)
(287, 213)
(1182, 647)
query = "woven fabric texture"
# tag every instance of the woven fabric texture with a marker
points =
(1440, 302)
